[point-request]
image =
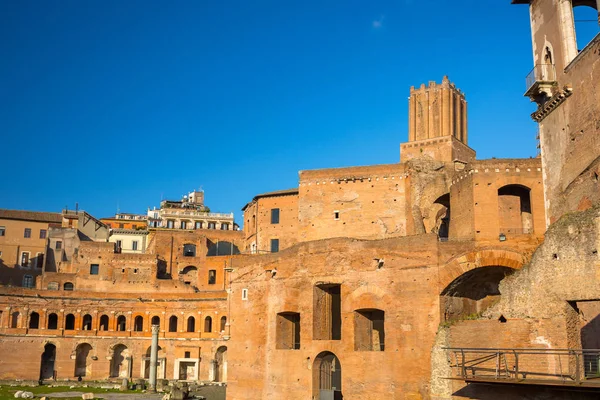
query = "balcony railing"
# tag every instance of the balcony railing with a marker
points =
(195, 214)
(541, 73)
(565, 367)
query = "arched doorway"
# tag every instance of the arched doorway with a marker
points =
(47, 364)
(221, 364)
(119, 366)
(327, 377)
(81, 360)
(160, 363)
(189, 276)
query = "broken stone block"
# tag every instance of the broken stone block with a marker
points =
(87, 396)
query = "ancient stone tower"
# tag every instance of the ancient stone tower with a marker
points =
(437, 126)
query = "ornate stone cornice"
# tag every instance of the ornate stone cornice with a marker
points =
(545, 109)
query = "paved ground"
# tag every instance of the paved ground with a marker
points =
(210, 392)
(107, 396)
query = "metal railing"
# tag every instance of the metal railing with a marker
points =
(196, 214)
(540, 73)
(534, 366)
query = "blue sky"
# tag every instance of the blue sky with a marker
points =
(110, 103)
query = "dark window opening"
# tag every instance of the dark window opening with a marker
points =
(212, 277)
(138, 323)
(189, 250)
(274, 245)
(70, 322)
(103, 323)
(34, 320)
(275, 215)
(223, 323)
(155, 320)
(86, 323)
(52, 321)
(27, 233)
(121, 323)
(208, 324)
(94, 269)
(173, 324)
(191, 324)
(68, 286)
(43, 234)
(58, 245)
(188, 354)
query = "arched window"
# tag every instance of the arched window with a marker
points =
(121, 323)
(223, 323)
(14, 319)
(191, 324)
(68, 286)
(514, 210)
(173, 324)
(155, 320)
(86, 322)
(53, 321)
(69, 322)
(208, 324)
(138, 323)
(103, 323)
(34, 320)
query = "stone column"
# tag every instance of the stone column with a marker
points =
(154, 357)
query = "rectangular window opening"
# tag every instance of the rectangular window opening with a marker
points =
(94, 269)
(58, 245)
(369, 332)
(42, 234)
(27, 233)
(212, 276)
(274, 245)
(275, 215)
(327, 314)
(288, 331)
(134, 245)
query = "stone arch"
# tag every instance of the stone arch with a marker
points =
(208, 324)
(189, 275)
(514, 209)
(121, 323)
(82, 367)
(369, 296)
(138, 323)
(221, 364)
(327, 376)
(86, 322)
(469, 283)
(69, 322)
(477, 259)
(47, 362)
(34, 320)
(173, 323)
(52, 322)
(15, 319)
(191, 324)
(103, 324)
(120, 361)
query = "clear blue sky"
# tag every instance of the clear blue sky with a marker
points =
(122, 102)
